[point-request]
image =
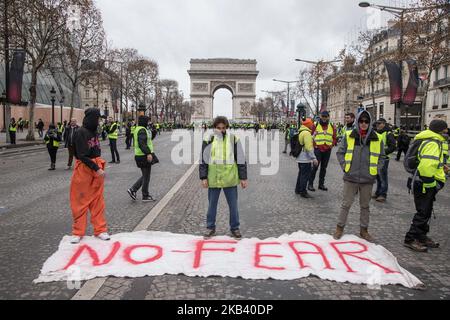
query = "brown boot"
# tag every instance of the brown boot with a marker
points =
(339, 233)
(364, 233)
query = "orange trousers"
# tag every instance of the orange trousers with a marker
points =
(86, 193)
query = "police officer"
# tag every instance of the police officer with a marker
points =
(113, 134)
(430, 178)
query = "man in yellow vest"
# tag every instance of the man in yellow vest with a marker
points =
(143, 154)
(429, 179)
(12, 130)
(223, 167)
(52, 138)
(390, 145)
(113, 134)
(325, 138)
(360, 155)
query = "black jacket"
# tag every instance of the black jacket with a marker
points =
(87, 145)
(391, 143)
(403, 141)
(141, 161)
(50, 136)
(69, 134)
(239, 158)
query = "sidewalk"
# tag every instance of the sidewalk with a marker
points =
(20, 140)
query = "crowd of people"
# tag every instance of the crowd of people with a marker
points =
(364, 150)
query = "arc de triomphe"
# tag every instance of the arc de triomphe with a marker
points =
(209, 75)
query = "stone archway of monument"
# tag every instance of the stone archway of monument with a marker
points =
(209, 75)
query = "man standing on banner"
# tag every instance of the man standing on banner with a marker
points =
(88, 180)
(325, 138)
(223, 167)
(427, 182)
(143, 155)
(113, 134)
(360, 155)
(390, 145)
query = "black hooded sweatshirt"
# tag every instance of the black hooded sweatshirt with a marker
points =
(87, 145)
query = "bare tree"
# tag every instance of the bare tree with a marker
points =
(427, 39)
(36, 26)
(82, 43)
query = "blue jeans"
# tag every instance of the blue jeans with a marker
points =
(382, 180)
(304, 173)
(231, 194)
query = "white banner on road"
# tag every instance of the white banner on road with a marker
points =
(149, 253)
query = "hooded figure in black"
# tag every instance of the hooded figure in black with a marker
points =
(87, 184)
(144, 156)
(87, 145)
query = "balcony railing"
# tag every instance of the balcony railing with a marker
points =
(442, 82)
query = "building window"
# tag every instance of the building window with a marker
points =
(445, 98)
(436, 100)
(381, 109)
(446, 72)
(87, 93)
(436, 74)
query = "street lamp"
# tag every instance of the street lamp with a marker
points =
(4, 110)
(318, 64)
(132, 112)
(106, 107)
(288, 93)
(62, 103)
(399, 12)
(141, 109)
(53, 95)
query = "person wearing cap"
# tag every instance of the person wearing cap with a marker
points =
(429, 179)
(360, 155)
(325, 138)
(390, 145)
(88, 180)
(306, 159)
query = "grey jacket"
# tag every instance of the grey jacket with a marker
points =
(359, 170)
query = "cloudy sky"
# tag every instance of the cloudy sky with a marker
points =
(274, 32)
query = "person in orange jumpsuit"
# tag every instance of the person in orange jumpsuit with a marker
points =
(87, 185)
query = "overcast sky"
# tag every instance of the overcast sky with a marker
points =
(274, 32)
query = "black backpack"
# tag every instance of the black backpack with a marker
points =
(411, 161)
(296, 147)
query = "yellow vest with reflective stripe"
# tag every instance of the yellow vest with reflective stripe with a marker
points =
(113, 133)
(13, 128)
(375, 151)
(137, 150)
(321, 137)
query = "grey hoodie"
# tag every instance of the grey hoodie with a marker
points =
(359, 170)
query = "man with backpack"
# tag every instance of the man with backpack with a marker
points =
(425, 159)
(306, 158)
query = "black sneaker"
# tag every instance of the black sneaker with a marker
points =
(236, 234)
(209, 234)
(112, 162)
(416, 246)
(132, 194)
(148, 199)
(323, 188)
(118, 161)
(311, 188)
(429, 243)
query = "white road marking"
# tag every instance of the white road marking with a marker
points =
(92, 287)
